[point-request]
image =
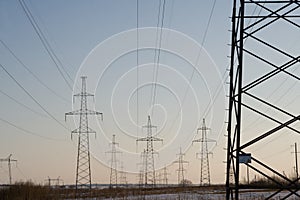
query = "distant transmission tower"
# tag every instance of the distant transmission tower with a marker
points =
(123, 179)
(9, 161)
(180, 170)
(83, 170)
(165, 176)
(204, 171)
(113, 181)
(149, 154)
(141, 174)
(158, 177)
(140, 178)
(54, 181)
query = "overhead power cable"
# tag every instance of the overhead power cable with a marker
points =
(46, 44)
(28, 131)
(36, 101)
(200, 50)
(158, 56)
(31, 72)
(137, 68)
(155, 50)
(219, 88)
(22, 104)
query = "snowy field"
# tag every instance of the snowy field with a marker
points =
(206, 196)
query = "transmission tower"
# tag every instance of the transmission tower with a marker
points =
(141, 177)
(180, 170)
(141, 174)
(9, 160)
(113, 180)
(260, 32)
(165, 176)
(149, 154)
(54, 181)
(204, 153)
(296, 160)
(83, 169)
(158, 177)
(123, 179)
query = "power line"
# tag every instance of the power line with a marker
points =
(137, 68)
(45, 43)
(36, 101)
(22, 104)
(200, 50)
(158, 57)
(218, 90)
(28, 131)
(155, 50)
(31, 72)
(215, 95)
(21, 172)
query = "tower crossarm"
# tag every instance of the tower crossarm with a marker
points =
(149, 138)
(85, 94)
(113, 152)
(182, 161)
(88, 130)
(84, 112)
(204, 140)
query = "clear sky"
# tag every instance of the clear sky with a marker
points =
(98, 38)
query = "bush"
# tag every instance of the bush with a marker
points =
(27, 191)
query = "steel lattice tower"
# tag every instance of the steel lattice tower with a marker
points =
(204, 159)
(180, 170)
(149, 153)
(123, 179)
(83, 169)
(113, 180)
(259, 38)
(9, 160)
(165, 176)
(141, 174)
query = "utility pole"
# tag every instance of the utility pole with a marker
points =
(180, 169)
(9, 160)
(204, 166)
(296, 161)
(113, 163)
(149, 154)
(83, 169)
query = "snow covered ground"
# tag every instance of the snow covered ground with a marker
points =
(217, 195)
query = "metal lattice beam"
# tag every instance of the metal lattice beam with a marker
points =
(149, 152)
(204, 153)
(254, 23)
(83, 169)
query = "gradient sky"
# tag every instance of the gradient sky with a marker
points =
(74, 29)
